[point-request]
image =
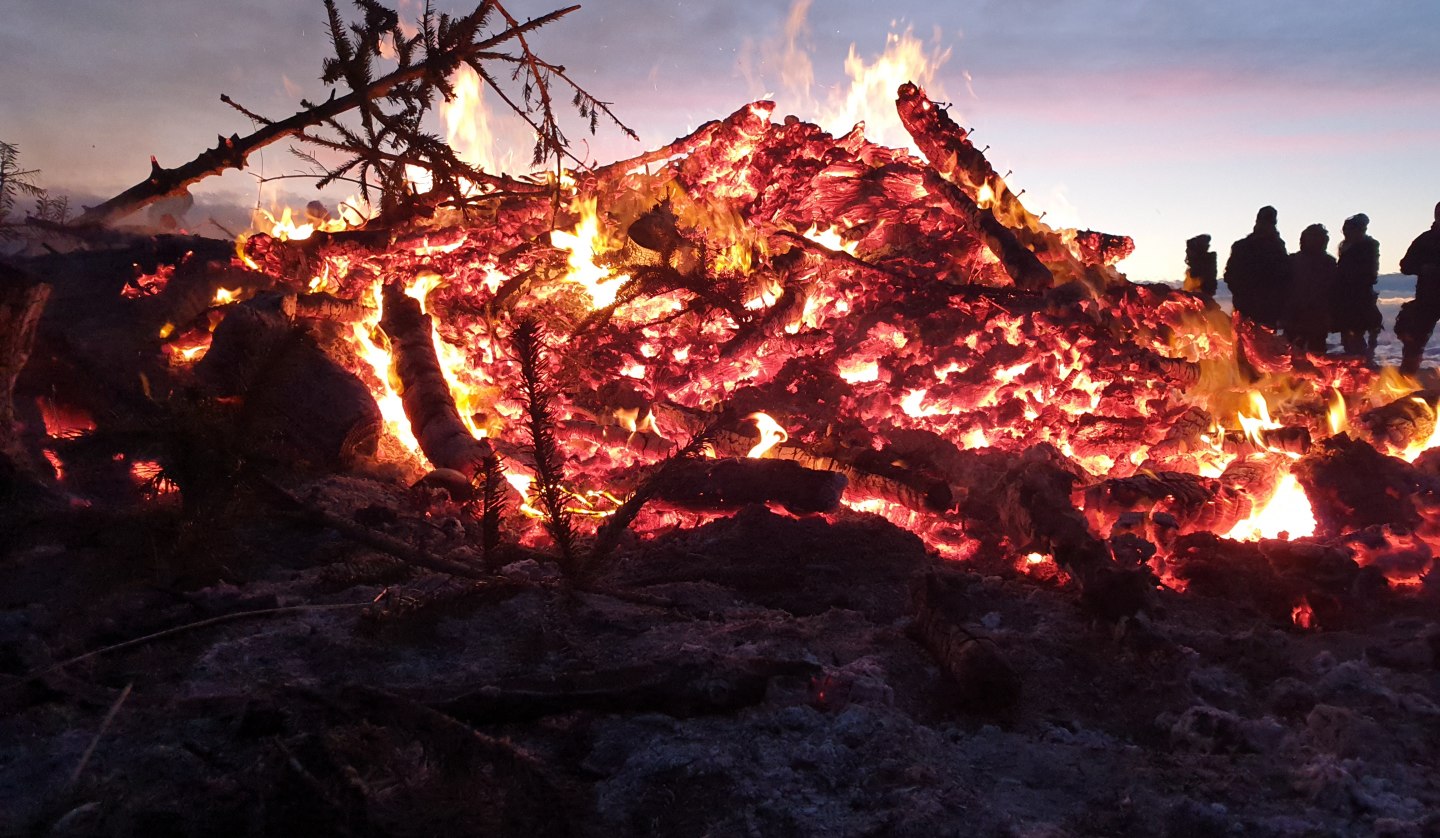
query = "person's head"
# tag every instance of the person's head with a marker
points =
(1197, 244)
(1267, 217)
(1356, 225)
(1437, 212)
(1315, 238)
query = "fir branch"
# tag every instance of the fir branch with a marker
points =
(493, 500)
(549, 464)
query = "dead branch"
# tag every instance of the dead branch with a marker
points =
(231, 152)
(429, 405)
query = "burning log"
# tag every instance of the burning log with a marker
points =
(296, 399)
(730, 483)
(986, 682)
(429, 405)
(1406, 421)
(1021, 263)
(949, 150)
(21, 301)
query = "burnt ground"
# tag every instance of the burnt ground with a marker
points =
(753, 676)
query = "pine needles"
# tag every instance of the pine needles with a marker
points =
(550, 488)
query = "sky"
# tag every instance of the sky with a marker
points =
(1159, 120)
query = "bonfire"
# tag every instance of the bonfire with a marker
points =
(570, 367)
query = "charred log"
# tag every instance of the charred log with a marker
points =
(21, 302)
(948, 148)
(425, 394)
(296, 400)
(1352, 486)
(1037, 515)
(986, 683)
(731, 483)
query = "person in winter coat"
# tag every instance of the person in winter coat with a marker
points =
(1258, 272)
(1200, 271)
(1353, 307)
(1313, 273)
(1417, 318)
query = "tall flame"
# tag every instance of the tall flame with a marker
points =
(467, 121)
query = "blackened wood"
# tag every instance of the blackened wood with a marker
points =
(731, 483)
(986, 681)
(297, 401)
(426, 396)
(1351, 486)
(1037, 514)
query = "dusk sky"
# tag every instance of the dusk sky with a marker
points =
(1159, 120)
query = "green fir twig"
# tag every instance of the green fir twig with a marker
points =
(550, 488)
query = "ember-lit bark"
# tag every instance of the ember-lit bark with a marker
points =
(429, 405)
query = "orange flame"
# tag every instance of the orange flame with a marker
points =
(1287, 514)
(583, 244)
(771, 434)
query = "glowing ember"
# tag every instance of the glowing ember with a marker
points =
(859, 370)
(1303, 615)
(771, 434)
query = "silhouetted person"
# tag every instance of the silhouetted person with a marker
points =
(1353, 307)
(1258, 272)
(1200, 270)
(1312, 283)
(1416, 319)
